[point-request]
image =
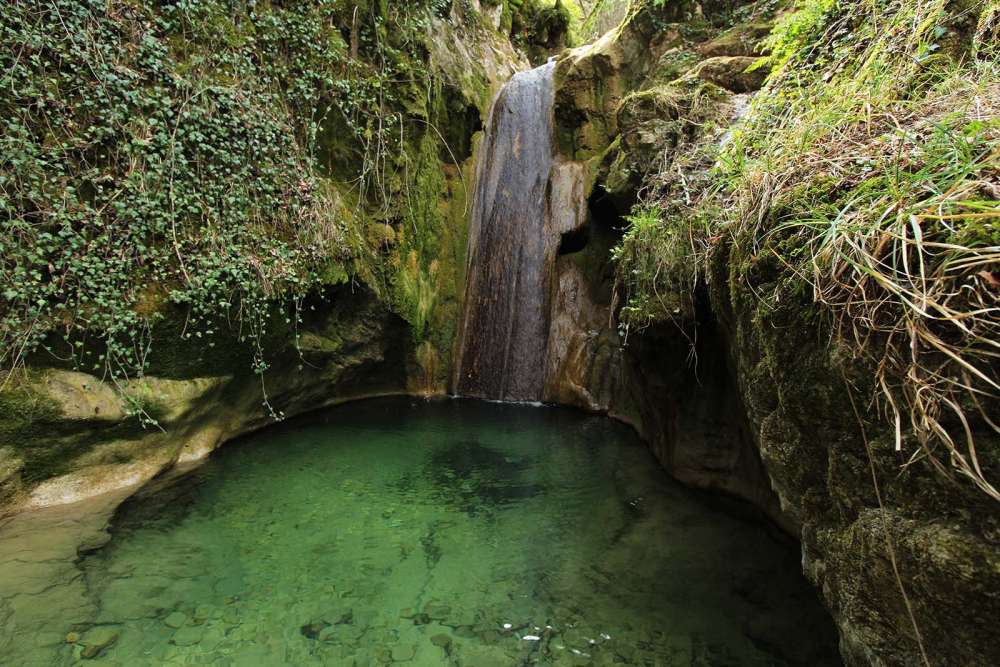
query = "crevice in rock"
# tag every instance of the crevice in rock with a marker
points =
(574, 240)
(463, 121)
(692, 414)
(609, 209)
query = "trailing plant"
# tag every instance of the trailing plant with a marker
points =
(135, 176)
(654, 269)
(796, 31)
(180, 155)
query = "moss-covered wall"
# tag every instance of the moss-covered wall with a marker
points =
(356, 132)
(763, 239)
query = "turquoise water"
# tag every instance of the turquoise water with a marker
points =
(437, 533)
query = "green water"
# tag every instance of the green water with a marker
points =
(440, 533)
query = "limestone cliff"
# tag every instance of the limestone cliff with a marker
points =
(729, 365)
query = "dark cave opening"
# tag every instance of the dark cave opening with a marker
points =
(574, 240)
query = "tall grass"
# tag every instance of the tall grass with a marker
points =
(876, 148)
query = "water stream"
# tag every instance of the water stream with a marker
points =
(424, 533)
(505, 323)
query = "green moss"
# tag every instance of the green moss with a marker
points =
(23, 407)
(657, 102)
(428, 258)
(673, 66)
(978, 233)
(540, 27)
(32, 424)
(420, 237)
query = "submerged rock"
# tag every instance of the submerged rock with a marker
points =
(403, 653)
(97, 641)
(188, 636)
(465, 631)
(175, 619)
(476, 478)
(437, 612)
(328, 634)
(312, 630)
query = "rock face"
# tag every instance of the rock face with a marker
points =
(749, 398)
(591, 80)
(505, 314)
(89, 442)
(584, 365)
(942, 539)
(478, 61)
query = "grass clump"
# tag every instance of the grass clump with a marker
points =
(654, 271)
(875, 153)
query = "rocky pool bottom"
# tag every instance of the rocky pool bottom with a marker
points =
(425, 533)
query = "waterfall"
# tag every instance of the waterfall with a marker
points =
(505, 321)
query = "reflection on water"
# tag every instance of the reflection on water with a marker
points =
(444, 533)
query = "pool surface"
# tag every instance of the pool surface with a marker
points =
(432, 533)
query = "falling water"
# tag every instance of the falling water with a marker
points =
(504, 330)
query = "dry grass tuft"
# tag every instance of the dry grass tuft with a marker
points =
(882, 163)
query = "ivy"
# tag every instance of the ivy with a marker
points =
(164, 155)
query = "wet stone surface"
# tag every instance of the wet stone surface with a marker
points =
(444, 533)
(501, 351)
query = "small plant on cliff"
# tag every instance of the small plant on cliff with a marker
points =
(655, 273)
(796, 31)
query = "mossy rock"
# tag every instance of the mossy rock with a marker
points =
(656, 123)
(591, 81)
(734, 73)
(740, 40)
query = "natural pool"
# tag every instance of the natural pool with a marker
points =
(431, 533)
